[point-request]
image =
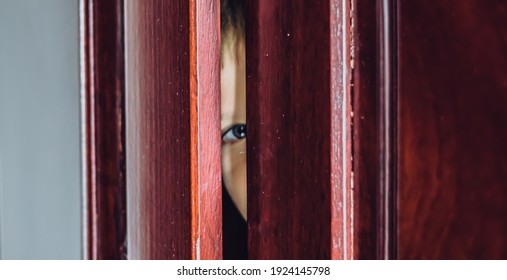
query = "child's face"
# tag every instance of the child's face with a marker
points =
(233, 87)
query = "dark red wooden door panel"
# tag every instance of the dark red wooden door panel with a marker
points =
(452, 90)
(298, 108)
(173, 129)
(367, 152)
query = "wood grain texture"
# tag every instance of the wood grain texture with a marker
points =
(103, 73)
(366, 142)
(375, 129)
(297, 112)
(158, 129)
(343, 237)
(173, 129)
(206, 139)
(452, 116)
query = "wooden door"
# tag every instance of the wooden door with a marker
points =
(375, 129)
(152, 126)
(430, 87)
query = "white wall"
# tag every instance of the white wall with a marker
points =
(39, 130)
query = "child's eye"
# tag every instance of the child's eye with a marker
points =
(234, 133)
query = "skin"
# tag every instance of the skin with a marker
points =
(233, 90)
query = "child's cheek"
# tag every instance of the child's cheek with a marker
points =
(234, 172)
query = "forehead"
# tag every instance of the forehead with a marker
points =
(232, 45)
(233, 85)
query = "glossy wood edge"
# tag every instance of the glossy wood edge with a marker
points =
(205, 108)
(83, 65)
(342, 202)
(374, 128)
(102, 129)
(387, 197)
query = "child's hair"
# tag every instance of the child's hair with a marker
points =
(232, 22)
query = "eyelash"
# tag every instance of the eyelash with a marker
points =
(234, 133)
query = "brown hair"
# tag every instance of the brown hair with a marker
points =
(232, 17)
(232, 23)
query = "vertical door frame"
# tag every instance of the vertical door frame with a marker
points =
(388, 125)
(102, 129)
(374, 128)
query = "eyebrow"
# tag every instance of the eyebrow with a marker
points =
(231, 115)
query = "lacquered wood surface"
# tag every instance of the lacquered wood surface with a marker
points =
(173, 130)
(374, 130)
(366, 132)
(205, 124)
(343, 235)
(452, 114)
(158, 129)
(103, 73)
(297, 115)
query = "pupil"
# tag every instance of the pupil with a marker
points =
(239, 131)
